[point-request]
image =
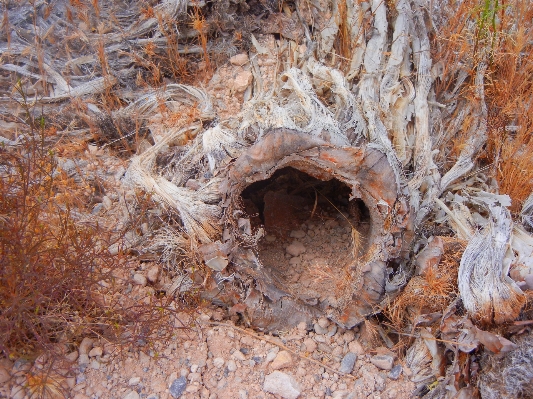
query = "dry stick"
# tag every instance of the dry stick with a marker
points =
(314, 206)
(252, 334)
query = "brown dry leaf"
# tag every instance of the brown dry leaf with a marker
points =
(493, 342)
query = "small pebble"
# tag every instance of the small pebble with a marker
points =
(296, 248)
(383, 362)
(283, 359)
(320, 330)
(323, 322)
(134, 381)
(347, 363)
(139, 279)
(131, 395)
(178, 386)
(395, 372)
(297, 234)
(96, 351)
(232, 366)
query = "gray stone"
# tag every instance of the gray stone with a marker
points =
(80, 378)
(332, 330)
(281, 384)
(383, 362)
(320, 330)
(347, 363)
(395, 372)
(178, 386)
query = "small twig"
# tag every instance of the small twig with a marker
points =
(314, 206)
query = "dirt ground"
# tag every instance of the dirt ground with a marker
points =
(218, 361)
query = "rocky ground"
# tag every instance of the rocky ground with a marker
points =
(217, 360)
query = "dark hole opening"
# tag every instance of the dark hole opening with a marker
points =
(313, 232)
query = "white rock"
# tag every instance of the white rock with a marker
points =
(239, 59)
(86, 345)
(218, 362)
(72, 356)
(131, 395)
(296, 261)
(283, 359)
(140, 279)
(355, 347)
(297, 234)
(310, 345)
(296, 248)
(107, 203)
(95, 365)
(218, 263)
(96, 351)
(239, 355)
(281, 384)
(242, 81)
(232, 366)
(83, 359)
(270, 356)
(134, 381)
(153, 274)
(323, 322)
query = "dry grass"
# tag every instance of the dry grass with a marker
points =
(431, 292)
(58, 280)
(502, 36)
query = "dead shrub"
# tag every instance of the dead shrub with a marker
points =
(58, 280)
